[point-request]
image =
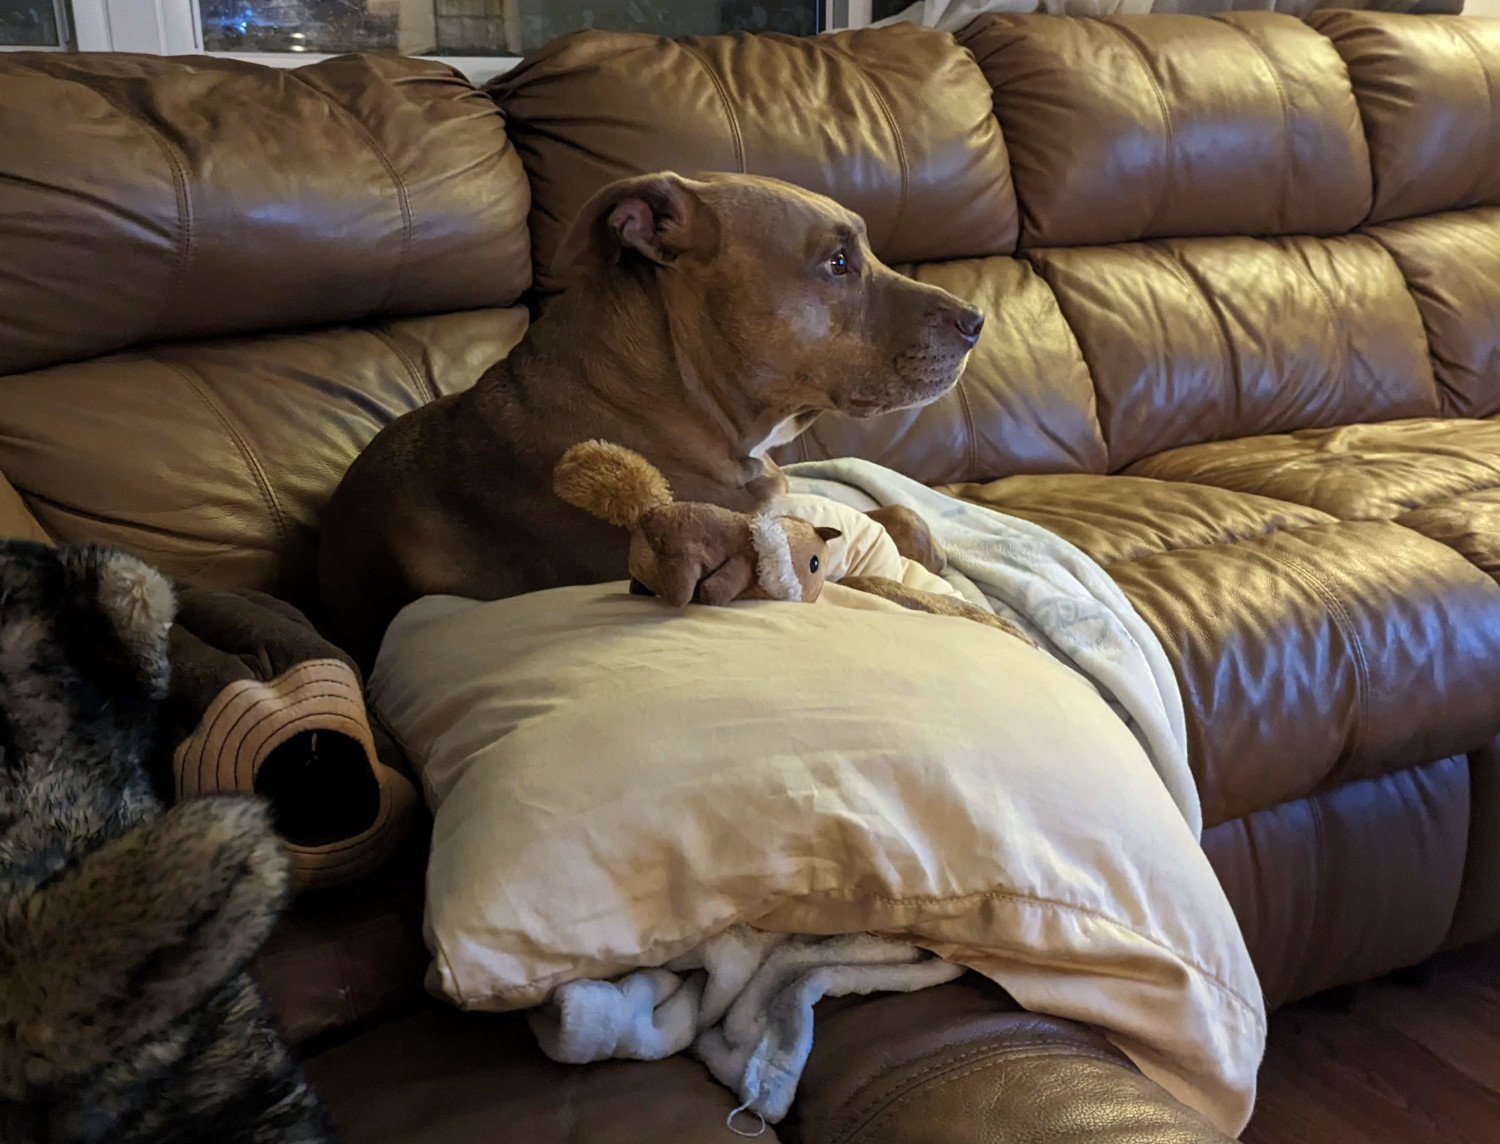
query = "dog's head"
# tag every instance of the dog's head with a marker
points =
(779, 285)
(83, 666)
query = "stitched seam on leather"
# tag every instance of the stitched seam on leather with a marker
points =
(1286, 111)
(184, 253)
(1271, 530)
(403, 197)
(1489, 92)
(890, 122)
(136, 526)
(1345, 352)
(1199, 290)
(952, 1071)
(257, 473)
(418, 376)
(1345, 623)
(857, 1119)
(734, 120)
(1166, 115)
(971, 452)
(1458, 402)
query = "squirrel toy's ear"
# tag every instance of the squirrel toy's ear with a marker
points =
(826, 533)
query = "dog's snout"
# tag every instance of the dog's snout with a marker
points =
(969, 322)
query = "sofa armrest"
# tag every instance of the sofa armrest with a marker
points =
(962, 1064)
(16, 521)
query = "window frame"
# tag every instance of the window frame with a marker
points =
(172, 27)
(64, 20)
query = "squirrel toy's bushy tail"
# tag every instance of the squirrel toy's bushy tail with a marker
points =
(611, 482)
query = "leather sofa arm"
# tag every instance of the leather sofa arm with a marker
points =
(16, 520)
(961, 1064)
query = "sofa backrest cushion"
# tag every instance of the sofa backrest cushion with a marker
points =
(1206, 339)
(895, 124)
(1151, 126)
(1451, 263)
(144, 199)
(213, 460)
(1429, 91)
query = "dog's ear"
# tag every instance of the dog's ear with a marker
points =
(659, 217)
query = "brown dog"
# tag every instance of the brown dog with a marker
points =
(713, 318)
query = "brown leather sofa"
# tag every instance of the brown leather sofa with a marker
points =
(1243, 284)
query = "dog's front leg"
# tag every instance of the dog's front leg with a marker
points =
(132, 937)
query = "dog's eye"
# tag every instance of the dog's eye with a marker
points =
(812, 565)
(839, 263)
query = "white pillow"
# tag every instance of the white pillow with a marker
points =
(615, 781)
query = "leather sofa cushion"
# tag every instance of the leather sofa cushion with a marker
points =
(1468, 523)
(1353, 472)
(212, 460)
(145, 198)
(1207, 339)
(1451, 263)
(895, 124)
(956, 1064)
(1025, 402)
(1305, 644)
(1349, 883)
(1426, 89)
(1116, 519)
(1133, 127)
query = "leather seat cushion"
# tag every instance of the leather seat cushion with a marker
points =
(1440, 478)
(1310, 651)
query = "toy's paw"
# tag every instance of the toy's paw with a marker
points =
(912, 537)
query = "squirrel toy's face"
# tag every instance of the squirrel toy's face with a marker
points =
(809, 552)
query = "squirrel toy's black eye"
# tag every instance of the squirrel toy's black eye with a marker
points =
(813, 564)
(839, 263)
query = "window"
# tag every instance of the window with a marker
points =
(480, 37)
(476, 27)
(33, 24)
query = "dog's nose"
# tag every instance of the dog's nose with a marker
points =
(969, 322)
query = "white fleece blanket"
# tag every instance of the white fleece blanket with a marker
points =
(742, 1001)
(1051, 590)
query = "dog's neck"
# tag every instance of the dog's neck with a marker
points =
(644, 360)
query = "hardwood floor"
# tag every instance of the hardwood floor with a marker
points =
(1404, 1064)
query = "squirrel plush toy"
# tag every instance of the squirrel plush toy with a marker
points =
(126, 1012)
(687, 552)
